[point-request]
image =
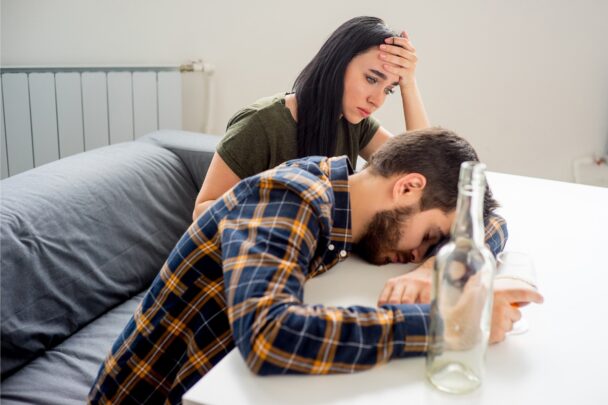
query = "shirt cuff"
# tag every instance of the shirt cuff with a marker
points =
(412, 326)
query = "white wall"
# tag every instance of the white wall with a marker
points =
(525, 81)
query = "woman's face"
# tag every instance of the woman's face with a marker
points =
(366, 84)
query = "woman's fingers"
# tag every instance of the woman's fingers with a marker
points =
(399, 60)
(398, 52)
(400, 56)
(400, 43)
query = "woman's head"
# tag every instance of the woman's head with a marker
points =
(320, 87)
(366, 85)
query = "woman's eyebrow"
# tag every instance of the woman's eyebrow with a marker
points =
(382, 76)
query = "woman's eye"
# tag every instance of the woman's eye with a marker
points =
(389, 91)
(371, 80)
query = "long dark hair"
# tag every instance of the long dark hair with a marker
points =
(320, 86)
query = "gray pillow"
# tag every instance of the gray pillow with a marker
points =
(190, 147)
(82, 235)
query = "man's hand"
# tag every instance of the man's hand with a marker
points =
(412, 287)
(508, 295)
(462, 319)
(415, 287)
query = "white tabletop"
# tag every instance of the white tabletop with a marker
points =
(562, 358)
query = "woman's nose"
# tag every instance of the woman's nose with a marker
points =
(376, 98)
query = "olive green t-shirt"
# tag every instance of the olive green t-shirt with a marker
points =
(263, 135)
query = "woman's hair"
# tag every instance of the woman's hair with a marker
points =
(319, 87)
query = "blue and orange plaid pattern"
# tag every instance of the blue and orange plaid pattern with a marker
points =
(236, 278)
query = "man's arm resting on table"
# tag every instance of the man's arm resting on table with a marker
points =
(265, 265)
(415, 286)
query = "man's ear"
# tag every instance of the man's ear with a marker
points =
(409, 186)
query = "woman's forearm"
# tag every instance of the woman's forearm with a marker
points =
(413, 107)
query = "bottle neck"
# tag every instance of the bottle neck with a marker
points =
(469, 218)
(469, 209)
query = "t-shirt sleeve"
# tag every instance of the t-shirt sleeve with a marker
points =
(245, 147)
(369, 127)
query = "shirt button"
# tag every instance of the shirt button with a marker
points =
(331, 247)
(343, 253)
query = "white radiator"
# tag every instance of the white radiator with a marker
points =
(50, 113)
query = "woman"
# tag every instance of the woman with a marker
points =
(329, 111)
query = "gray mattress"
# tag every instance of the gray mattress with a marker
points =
(64, 374)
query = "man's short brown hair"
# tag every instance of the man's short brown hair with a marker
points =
(437, 154)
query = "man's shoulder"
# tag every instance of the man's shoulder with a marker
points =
(304, 179)
(310, 180)
(308, 177)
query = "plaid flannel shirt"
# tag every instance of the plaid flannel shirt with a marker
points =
(236, 277)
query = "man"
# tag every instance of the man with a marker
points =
(236, 277)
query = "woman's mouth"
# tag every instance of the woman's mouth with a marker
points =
(363, 112)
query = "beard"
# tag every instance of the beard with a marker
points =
(382, 234)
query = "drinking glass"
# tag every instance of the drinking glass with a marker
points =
(519, 266)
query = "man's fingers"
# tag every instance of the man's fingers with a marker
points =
(386, 292)
(409, 288)
(396, 294)
(514, 313)
(497, 336)
(507, 324)
(524, 295)
(410, 294)
(425, 295)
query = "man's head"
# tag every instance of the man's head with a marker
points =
(423, 168)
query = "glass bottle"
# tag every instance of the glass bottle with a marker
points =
(461, 301)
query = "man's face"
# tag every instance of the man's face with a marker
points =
(404, 235)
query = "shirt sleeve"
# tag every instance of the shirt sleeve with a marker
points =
(245, 147)
(496, 233)
(267, 247)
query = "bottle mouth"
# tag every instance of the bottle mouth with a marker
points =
(472, 175)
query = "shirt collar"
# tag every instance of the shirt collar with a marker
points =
(341, 231)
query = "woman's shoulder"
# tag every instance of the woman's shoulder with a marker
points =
(264, 107)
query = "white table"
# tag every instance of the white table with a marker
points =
(562, 359)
